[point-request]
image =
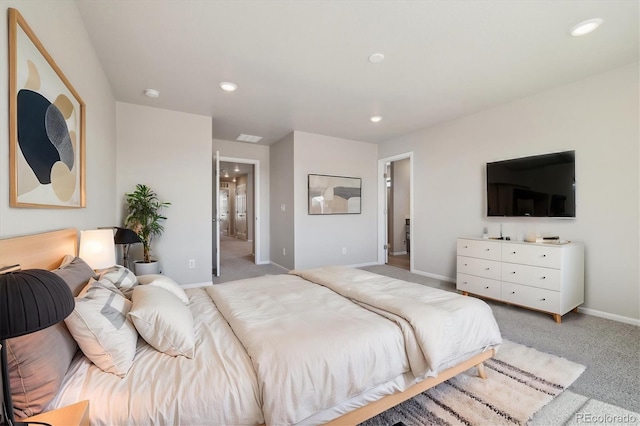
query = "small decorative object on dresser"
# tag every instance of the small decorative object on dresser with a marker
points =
(543, 277)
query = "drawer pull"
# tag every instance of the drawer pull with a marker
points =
(487, 287)
(486, 269)
(466, 264)
(513, 272)
(513, 292)
(487, 249)
(466, 246)
(543, 278)
(514, 252)
(544, 255)
(543, 299)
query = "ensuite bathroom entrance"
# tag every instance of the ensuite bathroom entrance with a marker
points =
(397, 226)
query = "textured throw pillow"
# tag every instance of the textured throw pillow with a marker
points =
(101, 283)
(75, 272)
(37, 363)
(166, 283)
(163, 321)
(122, 278)
(100, 325)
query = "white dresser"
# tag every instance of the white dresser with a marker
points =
(544, 277)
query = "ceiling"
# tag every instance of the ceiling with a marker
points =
(230, 168)
(302, 65)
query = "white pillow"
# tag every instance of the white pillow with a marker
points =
(164, 282)
(107, 285)
(122, 278)
(100, 325)
(163, 321)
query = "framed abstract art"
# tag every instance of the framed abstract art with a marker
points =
(334, 194)
(46, 126)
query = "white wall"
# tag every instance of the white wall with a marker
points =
(75, 56)
(170, 152)
(319, 239)
(282, 195)
(598, 117)
(248, 151)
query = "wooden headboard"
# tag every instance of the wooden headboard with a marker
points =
(42, 251)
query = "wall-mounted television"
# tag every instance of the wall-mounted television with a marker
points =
(537, 186)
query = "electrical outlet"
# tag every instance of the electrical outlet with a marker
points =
(192, 263)
(344, 250)
(284, 251)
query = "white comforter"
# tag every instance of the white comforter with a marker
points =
(311, 348)
(216, 387)
(283, 350)
(440, 328)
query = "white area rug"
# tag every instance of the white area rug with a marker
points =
(521, 380)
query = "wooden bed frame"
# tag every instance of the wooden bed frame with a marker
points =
(46, 250)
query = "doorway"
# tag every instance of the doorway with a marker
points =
(395, 225)
(237, 212)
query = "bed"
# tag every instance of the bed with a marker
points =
(329, 345)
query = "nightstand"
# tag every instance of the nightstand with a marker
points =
(72, 415)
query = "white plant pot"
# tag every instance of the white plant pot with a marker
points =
(142, 268)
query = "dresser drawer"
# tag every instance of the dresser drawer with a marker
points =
(536, 255)
(532, 276)
(480, 267)
(532, 297)
(480, 249)
(478, 285)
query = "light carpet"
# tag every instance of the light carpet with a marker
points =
(521, 380)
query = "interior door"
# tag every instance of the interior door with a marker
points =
(241, 211)
(216, 222)
(388, 217)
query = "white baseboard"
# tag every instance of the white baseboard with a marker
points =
(607, 315)
(264, 262)
(197, 285)
(435, 276)
(276, 264)
(360, 265)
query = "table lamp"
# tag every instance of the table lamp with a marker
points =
(30, 300)
(126, 237)
(97, 248)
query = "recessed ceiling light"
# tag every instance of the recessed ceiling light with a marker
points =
(586, 27)
(248, 138)
(237, 169)
(228, 87)
(152, 93)
(376, 58)
(375, 119)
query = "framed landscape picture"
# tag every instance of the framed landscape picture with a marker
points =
(334, 194)
(46, 126)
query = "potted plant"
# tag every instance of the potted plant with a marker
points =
(144, 218)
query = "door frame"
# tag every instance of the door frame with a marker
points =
(382, 206)
(256, 201)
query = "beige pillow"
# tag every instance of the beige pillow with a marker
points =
(75, 272)
(37, 364)
(163, 321)
(166, 283)
(100, 325)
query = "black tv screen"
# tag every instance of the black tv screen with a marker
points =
(537, 186)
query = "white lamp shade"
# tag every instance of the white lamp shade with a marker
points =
(97, 248)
